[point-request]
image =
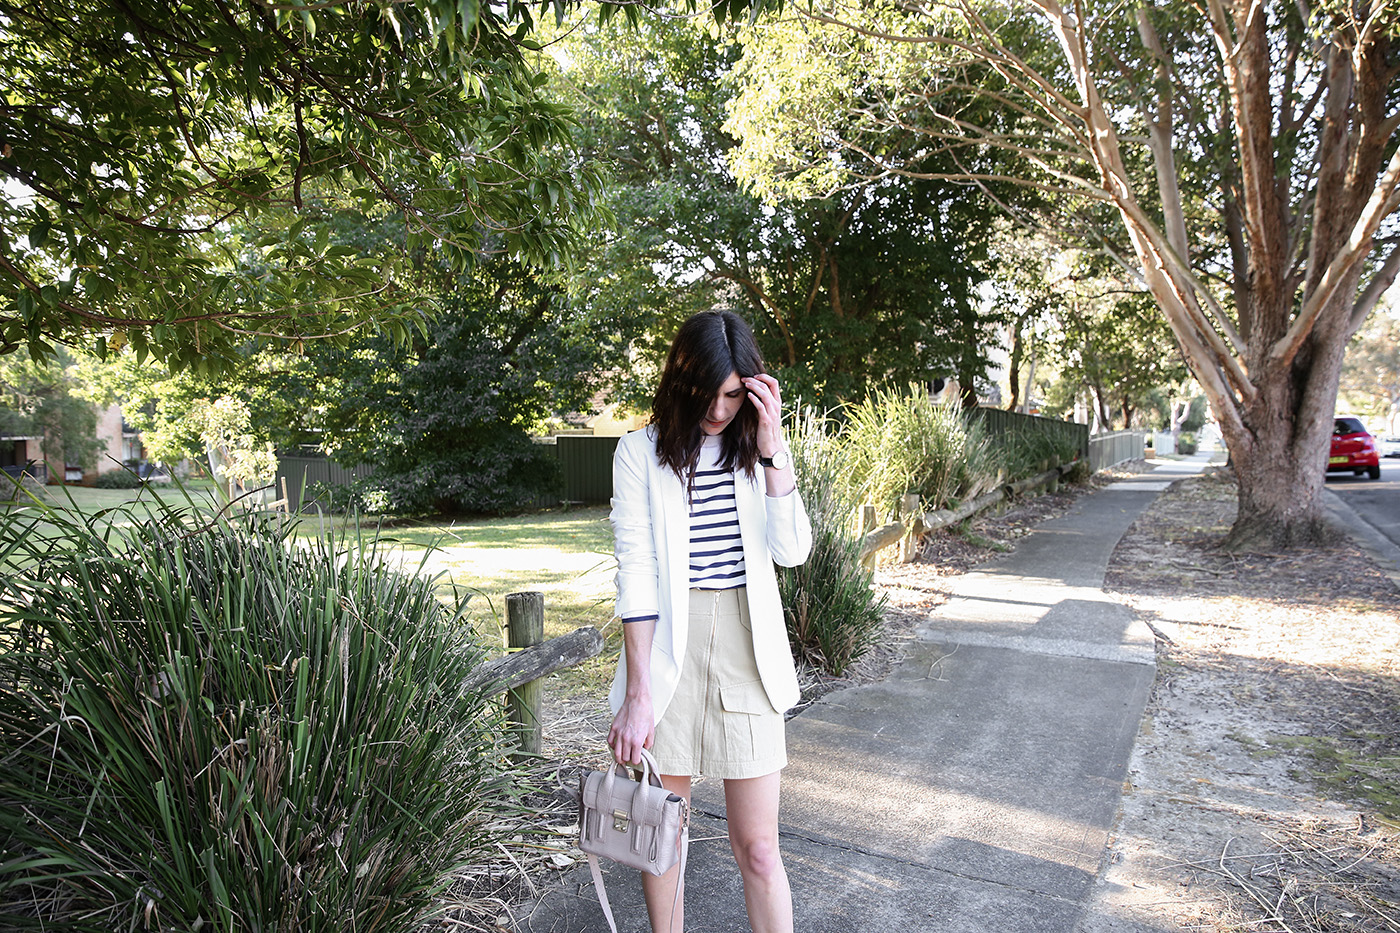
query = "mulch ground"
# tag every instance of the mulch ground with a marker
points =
(1265, 785)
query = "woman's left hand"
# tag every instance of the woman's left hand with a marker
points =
(768, 399)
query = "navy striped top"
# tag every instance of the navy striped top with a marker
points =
(716, 550)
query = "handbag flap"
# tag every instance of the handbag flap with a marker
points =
(647, 808)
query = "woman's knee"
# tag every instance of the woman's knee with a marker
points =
(757, 856)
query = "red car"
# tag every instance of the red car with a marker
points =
(1353, 449)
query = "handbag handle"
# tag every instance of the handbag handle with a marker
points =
(651, 773)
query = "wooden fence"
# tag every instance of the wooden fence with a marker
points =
(520, 673)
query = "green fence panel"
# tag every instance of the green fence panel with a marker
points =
(998, 421)
(585, 462)
(301, 473)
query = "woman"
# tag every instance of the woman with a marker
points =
(704, 502)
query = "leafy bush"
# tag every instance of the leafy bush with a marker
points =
(833, 613)
(118, 479)
(1186, 443)
(206, 727)
(505, 473)
(900, 443)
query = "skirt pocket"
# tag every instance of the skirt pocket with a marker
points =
(753, 728)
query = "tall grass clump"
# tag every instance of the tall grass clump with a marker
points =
(203, 727)
(901, 442)
(833, 612)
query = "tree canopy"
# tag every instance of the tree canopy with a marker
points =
(173, 172)
(868, 286)
(1251, 183)
(1371, 374)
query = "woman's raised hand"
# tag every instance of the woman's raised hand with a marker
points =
(768, 399)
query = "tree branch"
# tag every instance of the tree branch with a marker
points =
(1384, 201)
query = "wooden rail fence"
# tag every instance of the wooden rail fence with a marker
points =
(519, 674)
(913, 524)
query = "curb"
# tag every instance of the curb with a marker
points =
(1349, 522)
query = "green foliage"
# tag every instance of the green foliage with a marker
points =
(155, 402)
(118, 479)
(188, 169)
(834, 613)
(235, 456)
(844, 291)
(45, 399)
(1022, 452)
(204, 726)
(446, 421)
(892, 444)
(1118, 347)
(898, 443)
(1196, 412)
(505, 472)
(1371, 370)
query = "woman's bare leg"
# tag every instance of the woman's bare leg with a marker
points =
(660, 890)
(751, 807)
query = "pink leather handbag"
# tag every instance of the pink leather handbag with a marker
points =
(637, 823)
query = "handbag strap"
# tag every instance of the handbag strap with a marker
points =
(602, 890)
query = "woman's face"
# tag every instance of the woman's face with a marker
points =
(726, 404)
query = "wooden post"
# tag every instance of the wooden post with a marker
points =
(867, 518)
(525, 629)
(909, 547)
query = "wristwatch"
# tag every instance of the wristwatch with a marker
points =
(779, 460)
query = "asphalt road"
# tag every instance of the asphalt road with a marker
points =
(1376, 501)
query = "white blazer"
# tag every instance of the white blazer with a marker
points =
(651, 538)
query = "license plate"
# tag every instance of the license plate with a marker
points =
(1333, 460)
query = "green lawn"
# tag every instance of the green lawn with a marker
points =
(88, 499)
(566, 554)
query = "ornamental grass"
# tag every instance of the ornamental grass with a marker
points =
(205, 727)
(834, 613)
(902, 442)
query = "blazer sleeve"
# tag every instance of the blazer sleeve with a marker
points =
(634, 544)
(789, 529)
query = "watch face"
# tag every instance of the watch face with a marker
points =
(780, 460)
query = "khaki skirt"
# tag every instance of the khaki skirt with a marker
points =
(720, 723)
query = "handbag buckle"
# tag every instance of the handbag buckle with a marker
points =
(620, 820)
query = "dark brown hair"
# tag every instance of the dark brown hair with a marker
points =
(708, 347)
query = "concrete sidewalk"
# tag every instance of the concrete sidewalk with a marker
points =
(974, 788)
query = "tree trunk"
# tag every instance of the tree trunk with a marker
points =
(1272, 378)
(1030, 381)
(1014, 367)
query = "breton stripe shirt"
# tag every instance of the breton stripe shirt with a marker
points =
(716, 549)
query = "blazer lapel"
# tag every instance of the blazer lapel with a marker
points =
(676, 515)
(749, 506)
